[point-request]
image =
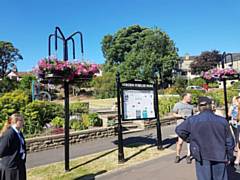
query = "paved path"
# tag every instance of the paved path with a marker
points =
(76, 150)
(161, 168)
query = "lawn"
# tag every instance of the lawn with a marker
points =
(91, 165)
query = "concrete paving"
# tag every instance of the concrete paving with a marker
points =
(162, 168)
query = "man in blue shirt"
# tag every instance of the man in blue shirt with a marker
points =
(211, 142)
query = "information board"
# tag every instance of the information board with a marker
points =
(138, 104)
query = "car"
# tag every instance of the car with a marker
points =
(199, 88)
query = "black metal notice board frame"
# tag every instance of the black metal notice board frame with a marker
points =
(136, 85)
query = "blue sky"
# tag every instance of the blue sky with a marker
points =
(194, 26)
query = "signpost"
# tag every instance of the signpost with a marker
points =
(137, 100)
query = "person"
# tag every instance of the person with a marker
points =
(13, 149)
(237, 160)
(211, 141)
(183, 109)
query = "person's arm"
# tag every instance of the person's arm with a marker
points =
(4, 145)
(183, 130)
(230, 111)
(229, 143)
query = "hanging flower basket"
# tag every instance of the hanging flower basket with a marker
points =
(220, 74)
(55, 71)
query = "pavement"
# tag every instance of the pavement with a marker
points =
(161, 168)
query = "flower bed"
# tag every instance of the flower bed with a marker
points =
(53, 69)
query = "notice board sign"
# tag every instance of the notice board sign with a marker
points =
(138, 101)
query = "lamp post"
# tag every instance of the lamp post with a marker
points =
(223, 61)
(66, 83)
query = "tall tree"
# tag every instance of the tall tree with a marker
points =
(8, 55)
(205, 61)
(138, 51)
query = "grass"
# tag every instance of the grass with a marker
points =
(87, 167)
(93, 103)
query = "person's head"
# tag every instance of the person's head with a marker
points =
(187, 97)
(237, 100)
(17, 120)
(204, 103)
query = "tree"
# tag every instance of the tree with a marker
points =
(138, 52)
(8, 55)
(206, 61)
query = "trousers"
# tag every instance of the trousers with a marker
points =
(211, 170)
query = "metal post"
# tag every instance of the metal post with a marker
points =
(159, 133)
(225, 86)
(66, 108)
(120, 138)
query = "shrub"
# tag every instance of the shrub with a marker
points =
(104, 86)
(58, 122)
(12, 102)
(76, 125)
(38, 113)
(85, 121)
(166, 104)
(94, 119)
(197, 81)
(79, 107)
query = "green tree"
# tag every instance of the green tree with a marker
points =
(138, 52)
(8, 55)
(104, 86)
(206, 61)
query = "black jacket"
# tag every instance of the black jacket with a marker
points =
(10, 150)
(210, 136)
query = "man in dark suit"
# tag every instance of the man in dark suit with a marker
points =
(211, 142)
(13, 150)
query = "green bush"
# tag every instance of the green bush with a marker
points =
(58, 122)
(166, 104)
(12, 102)
(94, 120)
(104, 86)
(85, 121)
(79, 108)
(198, 81)
(38, 113)
(8, 85)
(77, 125)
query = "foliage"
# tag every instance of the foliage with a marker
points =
(7, 85)
(8, 55)
(213, 85)
(180, 84)
(94, 119)
(79, 107)
(26, 82)
(170, 90)
(76, 125)
(85, 121)
(166, 104)
(218, 95)
(197, 81)
(104, 86)
(138, 52)
(57, 122)
(66, 69)
(38, 113)
(12, 102)
(195, 94)
(206, 61)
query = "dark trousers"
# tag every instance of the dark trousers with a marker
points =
(211, 170)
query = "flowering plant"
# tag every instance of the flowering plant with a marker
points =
(52, 67)
(218, 74)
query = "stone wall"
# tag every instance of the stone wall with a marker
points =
(55, 141)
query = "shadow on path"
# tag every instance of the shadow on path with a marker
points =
(138, 141)
(90, 176)
(109, 152)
